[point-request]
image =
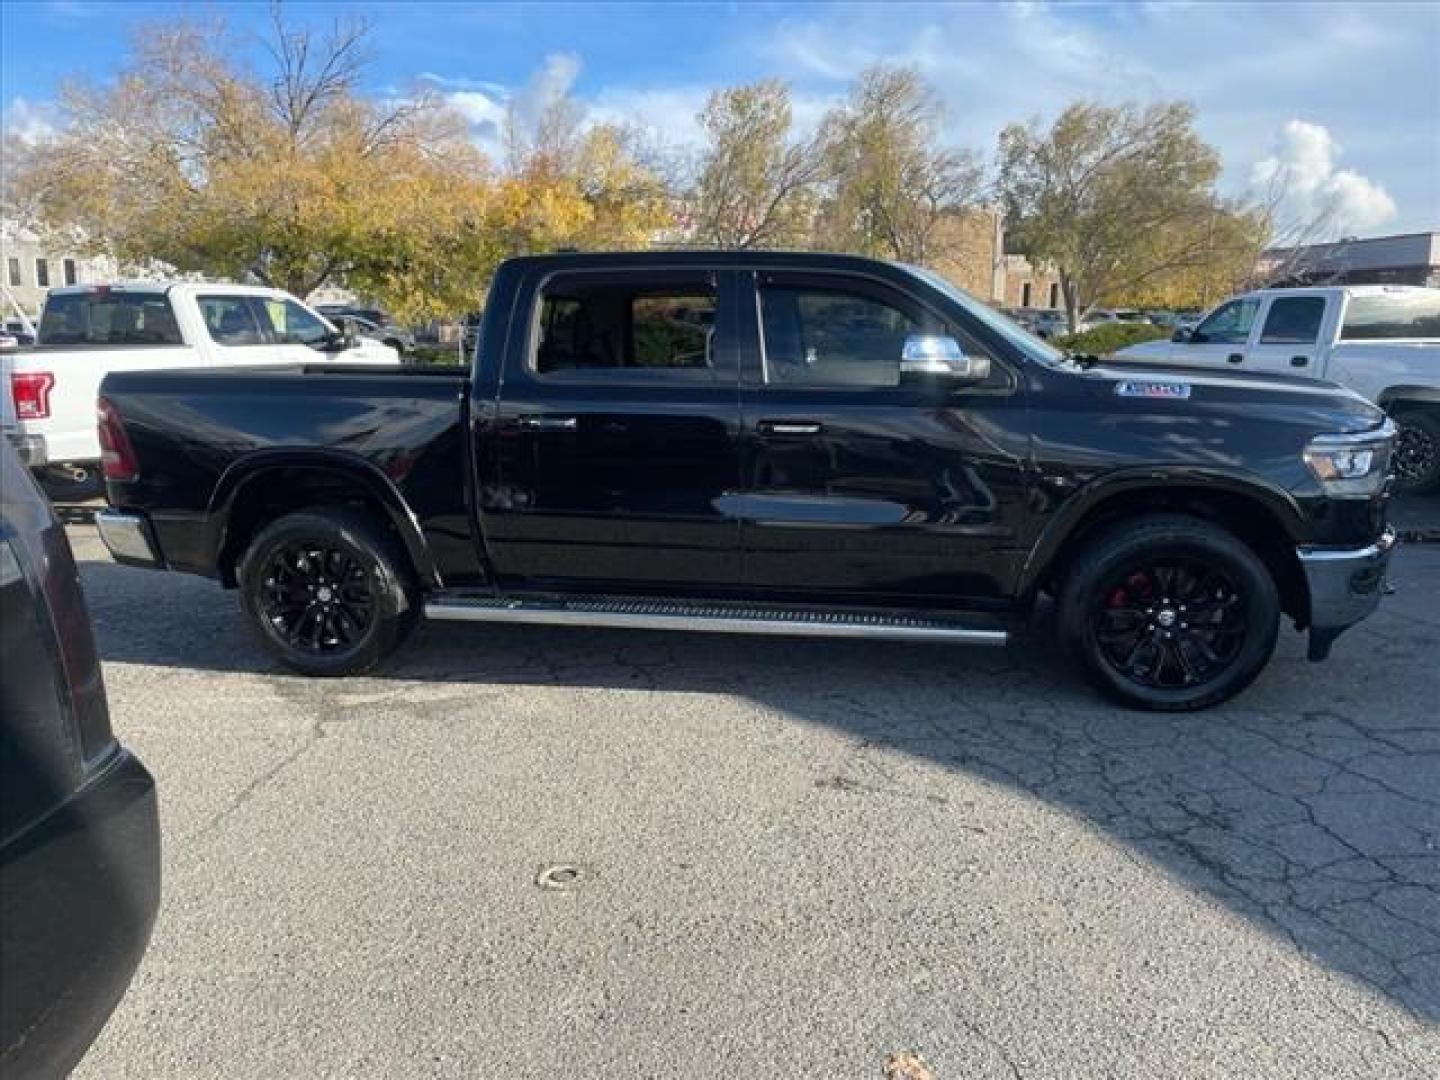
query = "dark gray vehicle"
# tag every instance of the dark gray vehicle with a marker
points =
(79, 831)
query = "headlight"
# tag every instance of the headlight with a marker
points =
(1351, 464)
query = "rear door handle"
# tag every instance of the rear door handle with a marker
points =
(1299, 361)
(1235, 357)
(789, 427)
(548, 423)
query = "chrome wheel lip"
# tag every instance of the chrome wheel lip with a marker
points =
(316, 598)
(1170, 623)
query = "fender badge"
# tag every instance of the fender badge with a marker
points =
(1174, 391)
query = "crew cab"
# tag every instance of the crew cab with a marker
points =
(1383, 341)
(87, 331)
(766, 443)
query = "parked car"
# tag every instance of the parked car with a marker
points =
(79, 833)
(779, 443)
(87, 331)
(1050, 323)
(18, 332)
(372, 323)
(1382, 341)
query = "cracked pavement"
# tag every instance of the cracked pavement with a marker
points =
(797, 857)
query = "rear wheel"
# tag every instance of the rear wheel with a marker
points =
(327, 591)
(1170, 613)
(1416, 460)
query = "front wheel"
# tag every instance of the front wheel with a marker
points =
(1416, 460)
(1169, 613)
(327, 591)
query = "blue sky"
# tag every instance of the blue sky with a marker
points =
(1341, 100)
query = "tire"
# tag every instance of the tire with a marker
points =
(1416, 462)
(1111, 613)
(327, 591)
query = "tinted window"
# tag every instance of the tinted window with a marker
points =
(1229, 324)
(832, 337)
(12, 264)
(1393, 315)
(291, 324)
(1293, 320)
(231, 320)
(598, 326)
(109, 319)
(69, 267)
(42, 273)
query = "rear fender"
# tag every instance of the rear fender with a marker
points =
(253, 469)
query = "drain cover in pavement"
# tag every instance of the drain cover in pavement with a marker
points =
(559, 876)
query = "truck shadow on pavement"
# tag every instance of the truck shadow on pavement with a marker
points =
(1311, 805)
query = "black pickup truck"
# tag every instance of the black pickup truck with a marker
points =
(769, 443)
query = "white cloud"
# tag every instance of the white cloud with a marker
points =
(1301, 171)
(30, 121)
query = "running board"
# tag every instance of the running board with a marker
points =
(714, 618)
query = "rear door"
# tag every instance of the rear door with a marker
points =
(612, 450)
(859, 486)
(1291, 329)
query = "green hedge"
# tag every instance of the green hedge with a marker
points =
(1104, 340)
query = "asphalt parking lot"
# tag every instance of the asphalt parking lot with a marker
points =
(792, 858)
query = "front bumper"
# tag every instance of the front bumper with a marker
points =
(1345, 587)
(129, 537)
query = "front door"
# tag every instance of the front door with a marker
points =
(1222, 338)
(614, 441)
(862, 487)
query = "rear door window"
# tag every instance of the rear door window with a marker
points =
(110, 318)
(1293, 320)
(627, 327)
(1392, 315)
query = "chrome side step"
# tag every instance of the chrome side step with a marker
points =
(714, 618)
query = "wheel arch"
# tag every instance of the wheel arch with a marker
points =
(1264, 517)
(263, 486)
(1400, 396)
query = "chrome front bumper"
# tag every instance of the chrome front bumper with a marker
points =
(1345, 587)
(129, 538)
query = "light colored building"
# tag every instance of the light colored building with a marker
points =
(30, 267)
(1403, 259)
(1030, 286)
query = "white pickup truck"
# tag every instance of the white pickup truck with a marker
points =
(1382, 341)
(48, 392)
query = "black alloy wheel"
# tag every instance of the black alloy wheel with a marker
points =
(1415, 460)
(1167, 624)
(317, 598)
(1169, 612)
(329, 591)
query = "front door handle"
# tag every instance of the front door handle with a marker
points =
(789, 427)
(548, 423)
(1235, 357)
(1299, 361)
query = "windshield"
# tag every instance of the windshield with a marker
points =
(1032, 346)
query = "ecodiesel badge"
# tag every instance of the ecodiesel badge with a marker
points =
(1150, 388)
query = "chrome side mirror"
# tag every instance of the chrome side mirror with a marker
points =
(939, 356)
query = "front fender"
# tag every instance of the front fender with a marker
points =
(1177, 482)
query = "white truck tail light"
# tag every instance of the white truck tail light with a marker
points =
(30, 390)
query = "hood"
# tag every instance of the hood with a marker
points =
(1250, 393)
